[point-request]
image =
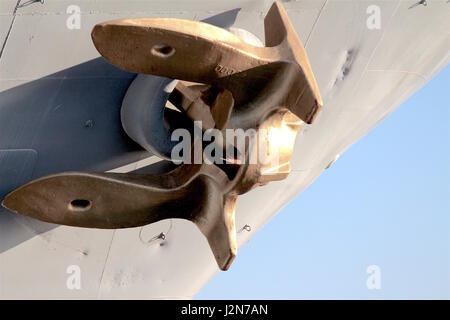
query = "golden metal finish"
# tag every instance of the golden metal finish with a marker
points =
(270, 88)
(199, 52)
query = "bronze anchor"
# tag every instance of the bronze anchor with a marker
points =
(244, 87)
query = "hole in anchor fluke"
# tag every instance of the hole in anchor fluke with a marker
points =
(79, 205)
(163, 50)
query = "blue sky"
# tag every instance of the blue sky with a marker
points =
(387, 203)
